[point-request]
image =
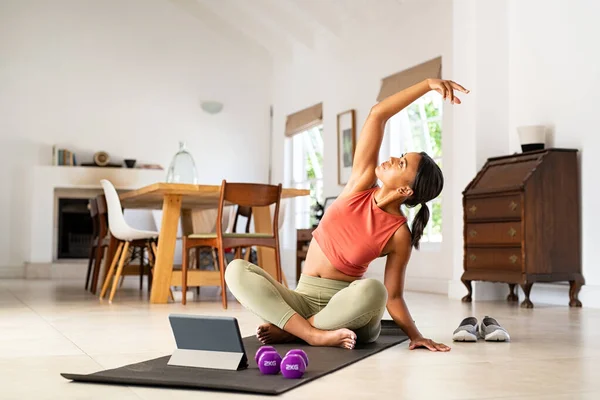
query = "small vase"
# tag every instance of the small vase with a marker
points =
(183, 167)
(532, 137)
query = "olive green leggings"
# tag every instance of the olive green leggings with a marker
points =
(334, 304)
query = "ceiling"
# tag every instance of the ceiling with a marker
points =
(276, 26)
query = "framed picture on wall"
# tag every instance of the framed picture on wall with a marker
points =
(346, 142)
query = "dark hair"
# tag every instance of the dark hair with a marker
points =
(428, 185)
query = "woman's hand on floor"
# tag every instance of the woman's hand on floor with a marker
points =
(429, 344)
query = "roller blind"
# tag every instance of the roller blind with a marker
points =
(304, 119)
(401, 80)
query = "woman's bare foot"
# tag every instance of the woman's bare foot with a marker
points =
(271, 334)
(343, 338)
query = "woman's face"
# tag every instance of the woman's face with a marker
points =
(400, 172)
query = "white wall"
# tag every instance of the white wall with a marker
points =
(125, 77)
(532, 62)
(347, 74)
(554, 80)
(481, 49)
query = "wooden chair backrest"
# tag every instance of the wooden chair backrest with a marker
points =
(249, 195)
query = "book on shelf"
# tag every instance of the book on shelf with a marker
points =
(63, 157)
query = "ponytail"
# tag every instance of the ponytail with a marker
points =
(418, 225)
(428, 185)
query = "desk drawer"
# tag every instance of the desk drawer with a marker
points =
(493, 207)
(508, 259)
(494, 233)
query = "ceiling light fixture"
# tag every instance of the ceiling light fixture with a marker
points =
(211, 107)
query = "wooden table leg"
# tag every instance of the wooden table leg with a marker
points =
(266, 257)
(161, 280)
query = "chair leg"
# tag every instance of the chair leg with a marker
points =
(198, 256)
(124, 255)
(89, 268)
(97, 267)
(141, 268)
(184, 267)
(198, 251)
(154, 250)
(214, 257)
(111, 270)
(238, 253)
(247, 255)
(278, 264)
(150, 266)
(222, 271)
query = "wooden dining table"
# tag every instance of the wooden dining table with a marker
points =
(172, 198)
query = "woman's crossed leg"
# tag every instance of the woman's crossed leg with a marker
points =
(354, 311)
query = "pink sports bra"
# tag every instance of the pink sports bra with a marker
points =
(354, 231)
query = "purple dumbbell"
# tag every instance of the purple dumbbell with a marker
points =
(293, 366)
(269, 362)
(261, 350)
(301, 353)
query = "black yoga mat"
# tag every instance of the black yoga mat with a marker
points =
(322, 361)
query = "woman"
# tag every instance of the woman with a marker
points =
(332, 305)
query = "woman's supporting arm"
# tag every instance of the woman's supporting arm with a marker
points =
(394, 277)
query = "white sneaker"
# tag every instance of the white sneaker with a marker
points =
(466, 331)
(491, 331)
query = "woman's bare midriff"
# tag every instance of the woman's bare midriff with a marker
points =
(316, 264)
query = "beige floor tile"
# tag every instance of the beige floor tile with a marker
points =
(39, 378)
(51, 327)
(566, 396)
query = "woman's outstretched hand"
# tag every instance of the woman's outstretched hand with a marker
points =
(446, 89)
(428, 343)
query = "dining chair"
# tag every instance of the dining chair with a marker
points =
(103, 233)
(244, 195)
(93, 208)
(128, 238)
(247, 213)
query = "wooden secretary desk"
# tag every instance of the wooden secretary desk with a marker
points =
(522, 223)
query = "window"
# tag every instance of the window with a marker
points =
(419, 128)
(307, 173)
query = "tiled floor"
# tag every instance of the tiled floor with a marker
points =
(51, 327)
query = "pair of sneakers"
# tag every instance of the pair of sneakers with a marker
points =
(469, 330)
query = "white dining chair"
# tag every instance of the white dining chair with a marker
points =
(127, 237)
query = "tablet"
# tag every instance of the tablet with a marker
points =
(207, 342)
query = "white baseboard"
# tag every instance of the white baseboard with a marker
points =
(56, 271)
(12, 272)
(426, 285)
(558, 294)
(482, 291)
(545, 293)
(456, 290)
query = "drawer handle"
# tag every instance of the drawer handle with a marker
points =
(472, 257)
(513, 259)
(512, 206)
(512, 232)
(473, 233)
(473, 209)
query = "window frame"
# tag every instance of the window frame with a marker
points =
(300, 143)
(401, 134)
